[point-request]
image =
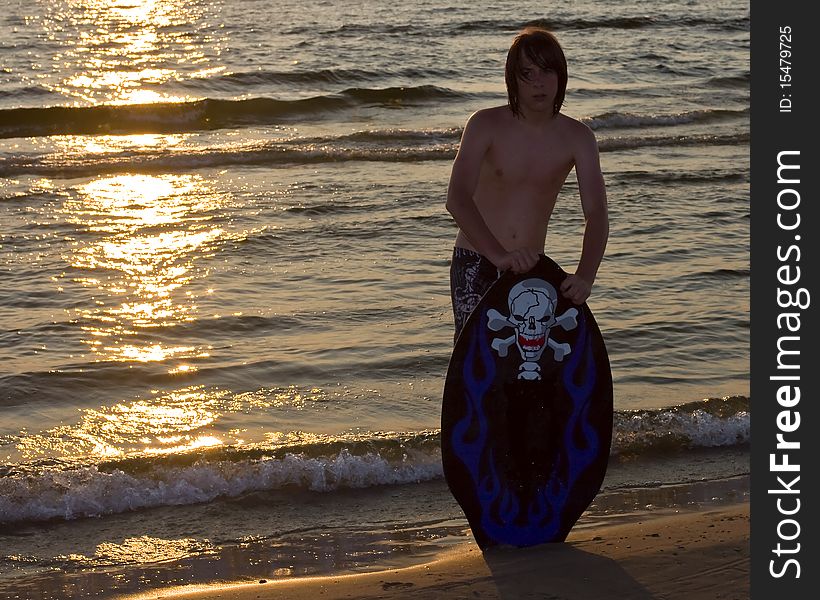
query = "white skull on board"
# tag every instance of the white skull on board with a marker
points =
(532, 305)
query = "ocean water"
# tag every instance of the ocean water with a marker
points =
(224, 302)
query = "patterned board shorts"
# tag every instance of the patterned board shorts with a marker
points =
(471, 275)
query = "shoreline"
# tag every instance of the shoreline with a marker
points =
(694, 554)
(167, 551)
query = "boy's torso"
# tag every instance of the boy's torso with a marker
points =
(521, 174)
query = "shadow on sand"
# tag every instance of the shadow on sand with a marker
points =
(560, 572)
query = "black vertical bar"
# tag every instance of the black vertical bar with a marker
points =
(785, 545)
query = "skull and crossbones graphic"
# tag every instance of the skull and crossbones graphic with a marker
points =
(532, 304)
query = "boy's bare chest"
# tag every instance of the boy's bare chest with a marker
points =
(527, 163)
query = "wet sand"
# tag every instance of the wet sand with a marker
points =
(689, 555)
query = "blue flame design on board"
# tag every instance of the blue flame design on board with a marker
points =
(506, 518)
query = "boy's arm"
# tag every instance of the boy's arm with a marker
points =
(475, 142)
(591, 186)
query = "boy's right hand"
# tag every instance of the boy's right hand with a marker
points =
(518, 261)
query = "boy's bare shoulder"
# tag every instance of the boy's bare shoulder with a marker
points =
(489, 118)
(575, 128)
(577, 131)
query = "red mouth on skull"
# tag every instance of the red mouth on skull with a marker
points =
(532, 344)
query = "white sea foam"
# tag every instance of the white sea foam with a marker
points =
(690, 426)
(148, 482)
(89, 491)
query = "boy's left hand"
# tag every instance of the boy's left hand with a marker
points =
(576, 289)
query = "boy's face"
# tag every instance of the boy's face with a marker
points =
(537, 87)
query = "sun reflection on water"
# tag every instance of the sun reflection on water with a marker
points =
(169, 423)
(148, 235)
(141, 550)
(110, 144)
(116, 51)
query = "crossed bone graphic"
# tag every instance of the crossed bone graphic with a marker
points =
(532, 305)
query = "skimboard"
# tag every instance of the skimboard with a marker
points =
(526, 421)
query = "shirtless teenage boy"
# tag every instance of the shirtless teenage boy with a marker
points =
(511, 164)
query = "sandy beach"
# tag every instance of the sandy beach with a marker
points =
(694, 555)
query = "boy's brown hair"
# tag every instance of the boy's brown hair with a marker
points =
(543, 49)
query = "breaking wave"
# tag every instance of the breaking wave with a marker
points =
(175, 117)
(65, 490)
